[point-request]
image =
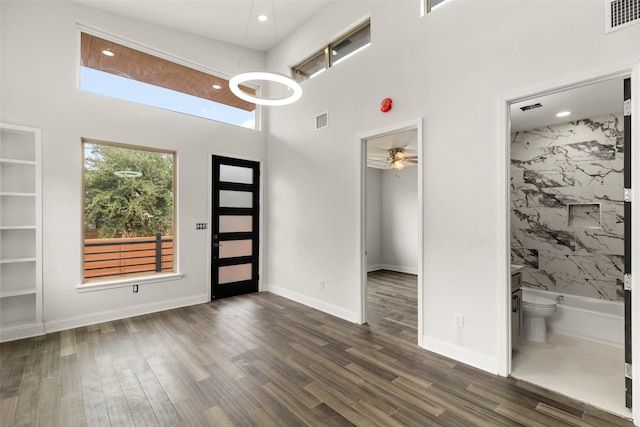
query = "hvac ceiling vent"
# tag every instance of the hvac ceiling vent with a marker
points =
(621, 13)
(322, 121)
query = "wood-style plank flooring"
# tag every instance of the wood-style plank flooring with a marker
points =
(392, 304)
(259, 359)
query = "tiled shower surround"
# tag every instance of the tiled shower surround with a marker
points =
(567, 208)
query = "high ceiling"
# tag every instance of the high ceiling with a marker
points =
(224, 20)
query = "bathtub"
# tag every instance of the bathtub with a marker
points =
(589, 319)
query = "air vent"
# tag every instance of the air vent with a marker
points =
(322, 121)
(531, 107)
(621, 13)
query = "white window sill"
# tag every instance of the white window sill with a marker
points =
(130, 281)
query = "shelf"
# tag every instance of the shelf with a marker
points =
(17, 293)
(8, 193)
(20, 232)
(18, 162)
(17, 324)
(16, 260)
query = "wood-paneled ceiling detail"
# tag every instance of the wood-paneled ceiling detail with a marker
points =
(143, 67)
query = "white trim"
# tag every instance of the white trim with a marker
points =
(331, 309)
(374, 267)
(503, 290)
(133, 280)
(396, 268)
(22, 331)
(462, 354)
(121, 313)
(361, 225)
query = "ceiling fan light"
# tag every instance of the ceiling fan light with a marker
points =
(397, 164)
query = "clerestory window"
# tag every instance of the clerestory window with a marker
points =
(335, 52)
(120, 71)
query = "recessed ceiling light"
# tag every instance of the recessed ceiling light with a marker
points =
(107, 52)
(262, 18)
(216, 87)
(563, 114)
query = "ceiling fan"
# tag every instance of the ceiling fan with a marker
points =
(397, 158)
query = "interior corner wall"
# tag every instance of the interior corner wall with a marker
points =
(400, 219)
(451, 69)
(374, 219)
(40, 57)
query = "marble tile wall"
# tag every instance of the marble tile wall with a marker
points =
(580, 164)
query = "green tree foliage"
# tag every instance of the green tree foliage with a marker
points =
(128, 206)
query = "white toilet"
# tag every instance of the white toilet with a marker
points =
(536, 309)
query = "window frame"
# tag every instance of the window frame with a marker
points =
(327, 50)
(144, 49)
(117, 281)
(427, 8)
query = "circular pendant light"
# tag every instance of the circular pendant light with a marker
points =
(235, 82)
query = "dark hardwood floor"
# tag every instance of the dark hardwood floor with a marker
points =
(392, 304)
(260, 359)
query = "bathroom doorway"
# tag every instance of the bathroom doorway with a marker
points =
(390, 231)
(566, 202)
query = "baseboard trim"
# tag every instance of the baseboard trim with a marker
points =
(463, 355)
(109, 315)
(396, 268)
(334, 310)
(21, 332)
(374, 267)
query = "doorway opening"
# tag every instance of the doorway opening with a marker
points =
(390, 238)
(567, 240)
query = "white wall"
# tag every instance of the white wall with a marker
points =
(40, 56)
(374, 219)
(451, 68)
(392, 219)
(400, 219)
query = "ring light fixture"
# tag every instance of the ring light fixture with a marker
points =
(235, 82)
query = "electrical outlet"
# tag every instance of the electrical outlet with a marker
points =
(459, 320)
(201, 225)
(321, 284)
(135, 289)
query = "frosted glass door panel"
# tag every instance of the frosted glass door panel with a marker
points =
(236, 199)
(236, 174)
(234, 273)
(236, 224)
(235, 248)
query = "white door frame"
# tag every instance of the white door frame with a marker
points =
(361, 212)
(504, 138)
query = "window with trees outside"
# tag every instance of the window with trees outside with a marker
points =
(128, 211)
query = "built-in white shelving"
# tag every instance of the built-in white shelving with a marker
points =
(20, 232)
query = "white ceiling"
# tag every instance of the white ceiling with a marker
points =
(590, 101)
(224, 20)
(378, 147)
(227, 20)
